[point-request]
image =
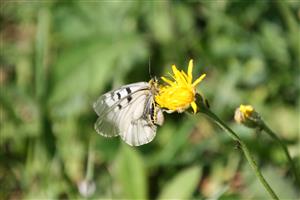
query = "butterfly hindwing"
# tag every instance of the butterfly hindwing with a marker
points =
(136, 129)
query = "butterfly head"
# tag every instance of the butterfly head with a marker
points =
(154, 86)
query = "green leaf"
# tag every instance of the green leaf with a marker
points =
(82, 72)
(273, 43)
(169, 152)
(159, 21)
(183, 185)
(130, 172)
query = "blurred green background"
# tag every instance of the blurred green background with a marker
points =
(58, 57)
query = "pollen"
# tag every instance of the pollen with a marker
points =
(179, 93)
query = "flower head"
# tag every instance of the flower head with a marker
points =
(246, 110)
(179, 94)
(246, 114)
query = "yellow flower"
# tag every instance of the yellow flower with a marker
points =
(243, 113)
(246, 110)
(246, 115)
(179, 94)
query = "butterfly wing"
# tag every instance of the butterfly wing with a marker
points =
(137, 129)
(107, 101)
(122, 112)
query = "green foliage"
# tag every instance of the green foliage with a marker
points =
(130, 172)
(183, 185)
(57, 57)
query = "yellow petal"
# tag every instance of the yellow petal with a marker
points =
(167, 81)
(172, 76)
(185, 75)
(196, 82)
(174, 69)
(247, 110)
(178, 76)
(176, 72)
(182, 80)
(190, 71)
(194, 106)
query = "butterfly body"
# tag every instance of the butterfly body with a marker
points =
(129, 112)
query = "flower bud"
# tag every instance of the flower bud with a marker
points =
(247, 116)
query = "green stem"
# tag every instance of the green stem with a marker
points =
(90, 162)
(245, 150)
(283, 146)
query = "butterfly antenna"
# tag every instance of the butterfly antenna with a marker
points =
(149, 68)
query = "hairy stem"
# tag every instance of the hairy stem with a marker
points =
(245, 150)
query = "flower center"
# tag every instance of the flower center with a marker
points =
(176, 98)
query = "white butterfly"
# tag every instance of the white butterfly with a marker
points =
(131, 112)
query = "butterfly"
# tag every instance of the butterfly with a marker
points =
(130, 112)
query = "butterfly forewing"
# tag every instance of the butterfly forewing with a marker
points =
(112, 98)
